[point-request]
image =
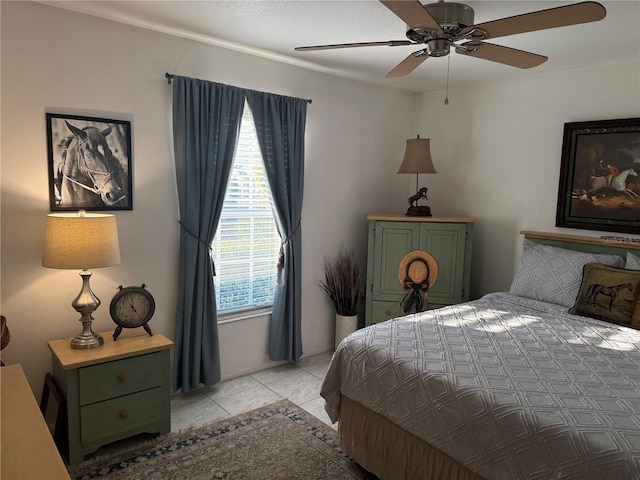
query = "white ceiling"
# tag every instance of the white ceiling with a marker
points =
(273, 28)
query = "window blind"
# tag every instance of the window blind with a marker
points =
(246, 244)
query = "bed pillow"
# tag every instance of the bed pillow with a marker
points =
(553, 274)
(610, 294)
(633, 262)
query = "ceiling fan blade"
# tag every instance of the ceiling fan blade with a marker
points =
(413, 14)
(498, 53)
(408, 65)
(551, 18)
(390, 43)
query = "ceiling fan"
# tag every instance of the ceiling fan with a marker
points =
(441, 26)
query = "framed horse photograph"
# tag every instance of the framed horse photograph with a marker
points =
(89, 163)
(600, 176)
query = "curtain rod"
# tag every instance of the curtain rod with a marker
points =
(169, 77)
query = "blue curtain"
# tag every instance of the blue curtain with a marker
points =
(206, 125)
(280, 127)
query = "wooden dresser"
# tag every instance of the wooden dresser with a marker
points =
(448, 239)
(114, 391)
(28, 450)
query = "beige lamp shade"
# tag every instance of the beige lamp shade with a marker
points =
(80, 241)
(417, 157)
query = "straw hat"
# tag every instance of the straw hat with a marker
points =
(418, 267)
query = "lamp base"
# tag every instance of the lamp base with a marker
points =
(85, 304)
(85, 340)
(418, 211)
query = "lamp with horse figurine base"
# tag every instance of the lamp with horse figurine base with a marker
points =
(417, 159)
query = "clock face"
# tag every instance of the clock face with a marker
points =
(132, 307)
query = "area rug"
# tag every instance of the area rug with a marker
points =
(277, 441)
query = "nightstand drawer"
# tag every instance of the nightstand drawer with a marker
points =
(113, 417)
(120, 377)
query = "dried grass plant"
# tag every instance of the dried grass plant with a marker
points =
(343, 282)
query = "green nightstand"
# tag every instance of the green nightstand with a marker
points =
(115, 391)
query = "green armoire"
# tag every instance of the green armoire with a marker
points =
(448, 239)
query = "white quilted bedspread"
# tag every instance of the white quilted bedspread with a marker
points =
(513, 388)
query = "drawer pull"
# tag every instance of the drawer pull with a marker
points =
(388, 313)
(124, 414)
(122, 378)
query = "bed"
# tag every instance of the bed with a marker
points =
(509, 386)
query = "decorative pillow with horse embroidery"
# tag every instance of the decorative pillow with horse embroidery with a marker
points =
(610, 294)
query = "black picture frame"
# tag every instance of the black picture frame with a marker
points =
(600, 176)
(89, 163)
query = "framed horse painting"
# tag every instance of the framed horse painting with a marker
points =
(600, 176)
(89, 163)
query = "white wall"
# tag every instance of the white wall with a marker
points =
(60, 61)
(497, 149)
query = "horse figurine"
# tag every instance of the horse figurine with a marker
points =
(89, 175)
(414, 209)
(413, 200)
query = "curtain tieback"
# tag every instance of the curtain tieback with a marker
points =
(213, 265)
(283, 243)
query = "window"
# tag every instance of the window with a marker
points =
(246, 245)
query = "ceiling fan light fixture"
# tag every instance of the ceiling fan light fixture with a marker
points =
(438, 47)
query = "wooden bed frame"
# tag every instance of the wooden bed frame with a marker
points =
(389, 452)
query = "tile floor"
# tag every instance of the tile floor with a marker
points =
(299, 382)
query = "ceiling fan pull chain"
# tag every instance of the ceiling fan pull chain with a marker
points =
(446, 96)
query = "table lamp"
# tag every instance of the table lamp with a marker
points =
(82, 241)
(417, 159)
